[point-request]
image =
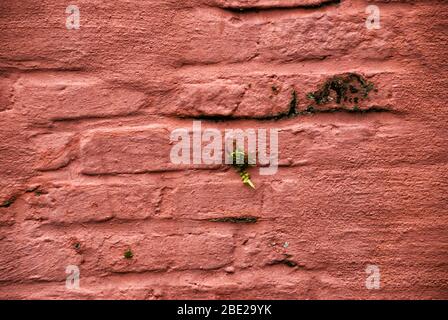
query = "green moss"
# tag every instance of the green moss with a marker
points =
(240, 161)
(310, 109)
(293, 105)
(128, 254)
(7, 203)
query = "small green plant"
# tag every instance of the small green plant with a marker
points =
(128, 254)
(240, 162)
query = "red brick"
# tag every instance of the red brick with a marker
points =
(42, 259)
(56, 150)
(105, 33)
(60, 97)
(5, 93)
(128, 150)
(362, 144)
(75, 203)
(155, 252)
(213, 200)
(372, 194)
(248, 96)
(265, 36)
(197, 285)
(137, 150)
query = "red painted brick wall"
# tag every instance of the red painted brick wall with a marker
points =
(85, 118)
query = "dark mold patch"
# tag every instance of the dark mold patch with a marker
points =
(345, 92)
(235, 219)
(255, 9)
(285, 261)
(7, 203)
(346, 88)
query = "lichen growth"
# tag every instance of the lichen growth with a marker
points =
(345, 88)
(7, 203)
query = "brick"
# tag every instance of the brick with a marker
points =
(56, 150)
(149, 286)
(228, 94)
(41, 259)
(218, 98)
(71, 204)
(361, 195)
(152, 252)
(16, 156)
(243, 4)
(7, 215)
(208, 200)
(128, 150)
(44, 43)
(362, 145)
(204, 40)
(44, 97)
(232, 37)
(138, 150)
(242, 285)
(234, 97)
(5, 93)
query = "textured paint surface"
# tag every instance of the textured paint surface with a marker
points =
(85, 173)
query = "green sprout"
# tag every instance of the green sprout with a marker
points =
(128, 254)
(240, 162)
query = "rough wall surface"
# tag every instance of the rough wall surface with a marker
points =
(85, 117)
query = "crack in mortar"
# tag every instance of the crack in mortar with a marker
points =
(252, 9)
